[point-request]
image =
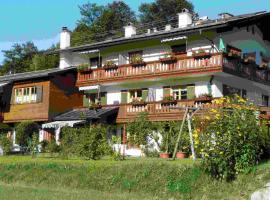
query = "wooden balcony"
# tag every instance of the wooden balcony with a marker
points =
(158, 111)
(183, 66)
(247, 70)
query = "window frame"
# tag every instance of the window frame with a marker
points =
(24, 95)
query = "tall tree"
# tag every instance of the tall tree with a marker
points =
(42, 61)
(26, 57)
(161, 12)
(18, 58)
(99, 22)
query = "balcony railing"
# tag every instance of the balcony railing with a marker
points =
(182, 65)
(249, 71)
(160, 111)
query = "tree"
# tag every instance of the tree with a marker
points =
(42, 61)
(161, 12)
(99, 22)
(18, 58)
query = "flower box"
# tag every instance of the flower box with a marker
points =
(137, 102)
(84, 68)
(168, 60)
(110, 65)
(204, 98)
(201, 55)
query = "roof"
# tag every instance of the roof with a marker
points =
(85, 114)
(208, 25)
(33, 74)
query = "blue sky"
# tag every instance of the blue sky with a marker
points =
(40, 21)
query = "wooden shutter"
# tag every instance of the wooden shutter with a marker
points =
(124, 97)
(39, 93)
(191, 92)
(103, 98)
(85, 101)
(145, 94)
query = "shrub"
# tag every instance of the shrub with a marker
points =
(68, 141)
(90, 143)
(229, 138)
(25, 131)
(44, 145)
(6, 144)
(264, 143)
(33, 144)
(53, 147)
(139, 129)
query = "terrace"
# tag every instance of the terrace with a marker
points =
(175, 66)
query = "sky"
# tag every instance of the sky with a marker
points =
(40, 21)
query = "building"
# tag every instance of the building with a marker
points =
(179, 65)
(153, 70)
(38, 96)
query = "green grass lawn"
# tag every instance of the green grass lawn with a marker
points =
(52, 178)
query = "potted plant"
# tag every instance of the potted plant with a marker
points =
(136, 61)
(138, 102)
(110, 64)
(168, 58)
(166, 131)
(168, 99)
(184, 146)
(84, 68)
(204, 97)
(200, 53)
(95, 106)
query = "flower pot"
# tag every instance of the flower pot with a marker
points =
(164, 155)
(181, 155)
(168, 60)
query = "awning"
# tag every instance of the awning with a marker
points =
(93, 87)
(86, 114)
(60, 124)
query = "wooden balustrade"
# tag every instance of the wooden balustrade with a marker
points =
(159, 111)
(156, 68)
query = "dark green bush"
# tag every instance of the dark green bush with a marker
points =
(25, 131)
(90, 143)
(264, 142)
(5, 143)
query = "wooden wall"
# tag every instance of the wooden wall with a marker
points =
(29, 111)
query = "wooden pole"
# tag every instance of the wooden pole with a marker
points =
(180, 133)
(124, 140)
(191, 137)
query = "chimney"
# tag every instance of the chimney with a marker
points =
(184, 18)
(168, 27)
(65, 38)
(225, 15)
(130, 30)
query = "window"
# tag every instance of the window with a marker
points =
(135, 55)
(265, 100)
(179, 93)
(25, 95)
(135, 94)
(229, 91)
(95, 62)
